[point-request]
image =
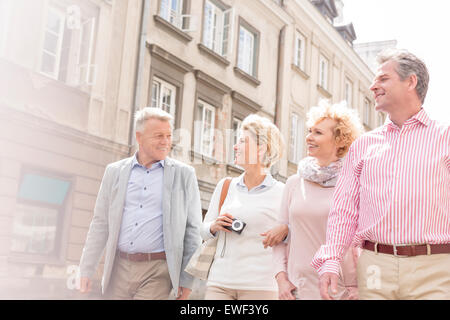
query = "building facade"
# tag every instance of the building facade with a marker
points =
(81, 70)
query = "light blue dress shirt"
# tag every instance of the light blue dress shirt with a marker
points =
(267, 183)
(142, 220)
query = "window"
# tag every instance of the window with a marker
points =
(204, 129)
(296, 139)
(299, 54)
(39, 212)
(164, 96)
(236, 127)
(323, 72)
(367, 112)
(246, 53)
(349, 93)
(67, 51)
(86, 68)
(173, 11)
(217, 29)
(51, 51)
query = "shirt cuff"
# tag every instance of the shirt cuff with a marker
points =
(331, 266)
(206, 234)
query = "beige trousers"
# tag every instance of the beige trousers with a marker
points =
(220, 293)
(384, 276)
(146, 280)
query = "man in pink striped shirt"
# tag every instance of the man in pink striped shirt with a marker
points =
(393, 195)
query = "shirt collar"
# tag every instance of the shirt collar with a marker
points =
(135, 162)
(420, 117)
(267, 182)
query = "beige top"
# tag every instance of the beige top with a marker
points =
(305, 206)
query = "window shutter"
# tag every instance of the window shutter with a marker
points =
(227, 41)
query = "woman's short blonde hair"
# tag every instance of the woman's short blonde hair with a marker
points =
(348, 125)
(265, 133)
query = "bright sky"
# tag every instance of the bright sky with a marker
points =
(421, 27)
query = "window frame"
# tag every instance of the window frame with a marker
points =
(60, 35)
(180, 16)
(69, 65)
(199, 132)
(300, 51)
(296, 138)
(57, 256)
(223, 34)
(255, 50)
(324, 72)
(159, 101)
(90, 67)
(348, 84)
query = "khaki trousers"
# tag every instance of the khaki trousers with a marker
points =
(145, 280)
(220, 293)
(384, 276)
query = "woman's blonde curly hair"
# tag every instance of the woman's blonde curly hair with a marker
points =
(348, 127)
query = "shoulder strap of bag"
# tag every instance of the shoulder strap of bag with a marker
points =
(223, 195)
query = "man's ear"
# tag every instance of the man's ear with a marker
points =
(412, 82)
(138, 137)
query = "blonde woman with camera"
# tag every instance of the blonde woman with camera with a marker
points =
(242, 269)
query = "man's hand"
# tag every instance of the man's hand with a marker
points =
(275, 235)
(183, 293)
(85, 285)
(285, 287)
(328, 281)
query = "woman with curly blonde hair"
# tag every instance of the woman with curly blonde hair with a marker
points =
(306, 203)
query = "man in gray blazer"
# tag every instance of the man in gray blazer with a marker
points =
(147, 218)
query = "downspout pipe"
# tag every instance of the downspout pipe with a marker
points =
(145, 16)
(278, 98)
(279, 87)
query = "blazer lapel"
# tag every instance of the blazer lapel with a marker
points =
(169, 172)
(124, 176)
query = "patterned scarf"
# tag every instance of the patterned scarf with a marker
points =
(309, 169)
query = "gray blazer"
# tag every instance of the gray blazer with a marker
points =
(182, 217)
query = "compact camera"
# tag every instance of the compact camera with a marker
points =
(237, 226)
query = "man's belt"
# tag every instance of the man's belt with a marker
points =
(407, 250)
(138, 257)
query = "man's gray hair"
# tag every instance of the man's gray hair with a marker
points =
(150, 113)
(408, 64)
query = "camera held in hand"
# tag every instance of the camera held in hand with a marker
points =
(237, 226)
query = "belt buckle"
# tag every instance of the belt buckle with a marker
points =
(395, 250)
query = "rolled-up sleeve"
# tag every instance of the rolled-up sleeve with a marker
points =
(213, 212)
(343, 218)
(280, 254)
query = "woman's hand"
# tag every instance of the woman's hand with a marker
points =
(275, 235)
(352, 293)
(221, 222)
(285, 287)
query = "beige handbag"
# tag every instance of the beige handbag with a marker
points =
(203, 257)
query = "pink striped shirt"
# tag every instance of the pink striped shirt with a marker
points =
(394, 188)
